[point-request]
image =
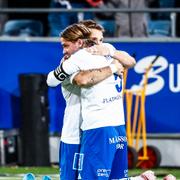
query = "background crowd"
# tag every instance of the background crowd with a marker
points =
(117, 24)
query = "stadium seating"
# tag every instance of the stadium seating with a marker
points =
(165, 4)
(23, 28)
(109, 26)
(159, 28)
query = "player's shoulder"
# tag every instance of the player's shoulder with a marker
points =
(108, 45)
(78, 58)
(81, 54)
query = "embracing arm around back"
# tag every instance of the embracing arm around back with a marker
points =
(85, 78)
(124, 58)
(93, 76)
(107, 49)
(82, 78)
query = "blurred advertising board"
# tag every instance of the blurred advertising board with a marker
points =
(163, 89)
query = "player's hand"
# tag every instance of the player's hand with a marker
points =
(169, 177)
(119, 66)
(98, 50)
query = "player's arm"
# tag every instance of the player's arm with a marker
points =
(63, 71)
(124, 58)
(57, 76)
(51, 80)
(107, 49)
(91, 77)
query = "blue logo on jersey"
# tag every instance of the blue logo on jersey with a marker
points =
(119, 85)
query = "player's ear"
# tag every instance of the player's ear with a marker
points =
(80, 42)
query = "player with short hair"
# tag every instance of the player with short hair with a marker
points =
(106, 49)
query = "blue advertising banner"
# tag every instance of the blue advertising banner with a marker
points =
(27, 57)
(163, 88)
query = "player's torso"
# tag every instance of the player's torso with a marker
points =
(102, 103)
(72, 115)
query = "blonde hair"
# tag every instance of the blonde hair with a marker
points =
(92, 25)
(76, 31)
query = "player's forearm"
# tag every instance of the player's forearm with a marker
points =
(91, 77)
(108, 50)
(124, 58)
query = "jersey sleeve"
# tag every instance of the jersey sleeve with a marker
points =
(63, 71)
(76, 62)
(72, 77)
(109, 46)
(70, 66)
(52, 81)
(67, 68)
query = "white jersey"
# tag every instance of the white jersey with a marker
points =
(101, 104)
(72, 116)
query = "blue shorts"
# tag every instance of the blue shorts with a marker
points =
(68, 161)
(103, 154)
